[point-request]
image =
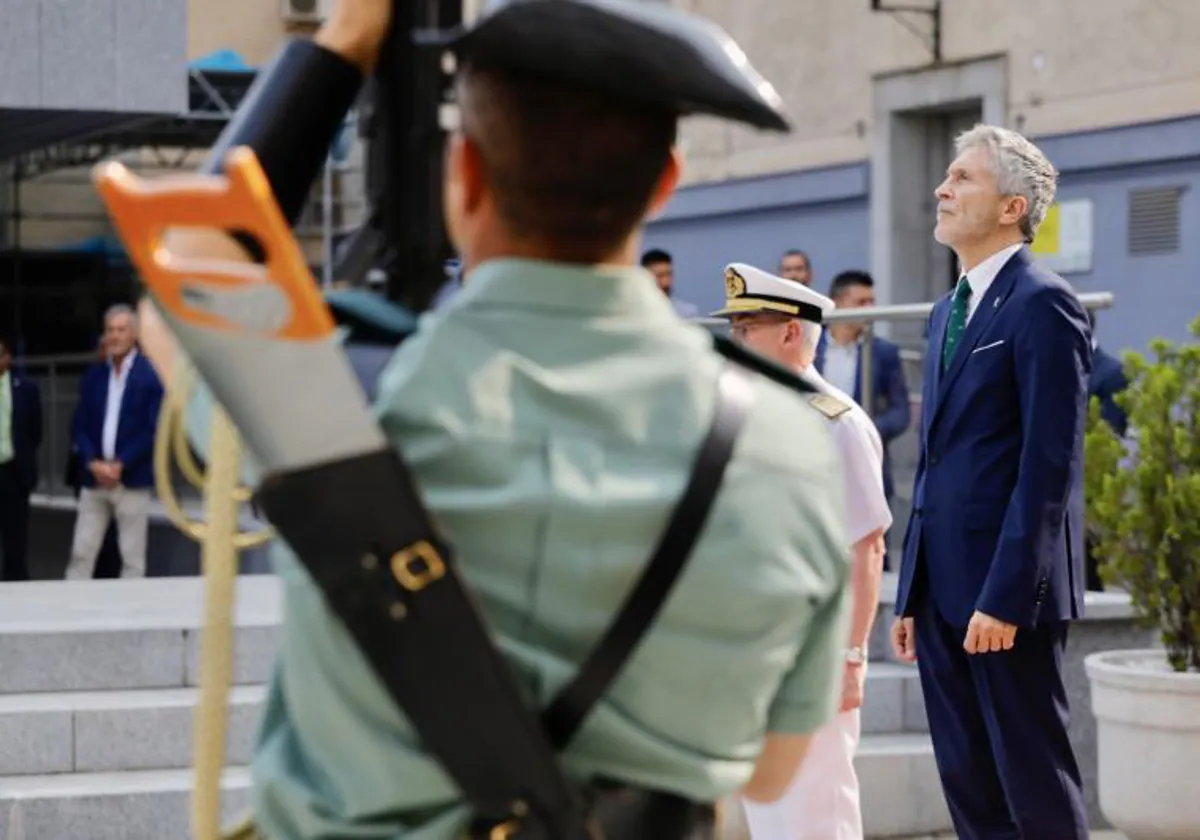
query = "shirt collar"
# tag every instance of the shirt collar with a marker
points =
(837, 345)
(981, 276)
(582, 290)
(812, 376)
(125, 368)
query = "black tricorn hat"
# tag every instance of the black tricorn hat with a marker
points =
(645, 51)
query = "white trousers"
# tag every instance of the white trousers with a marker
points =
(97, 507)
(822, 801)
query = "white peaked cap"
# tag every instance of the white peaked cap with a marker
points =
(749, 289)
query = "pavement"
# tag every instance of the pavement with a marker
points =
(1095, 835)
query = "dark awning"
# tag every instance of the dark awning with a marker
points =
(43, 140)
(23, 130)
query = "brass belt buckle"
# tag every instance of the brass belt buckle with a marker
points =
(504, 830)
(418, 566)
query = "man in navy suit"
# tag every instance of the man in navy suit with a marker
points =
(20, 437)
(839, 360)
(992, 571)
(119, 401)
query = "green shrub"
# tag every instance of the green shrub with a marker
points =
(1143, 494)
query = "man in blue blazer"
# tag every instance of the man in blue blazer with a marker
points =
(20, 438)
(839, 361)
(119, 401)
(992, 571)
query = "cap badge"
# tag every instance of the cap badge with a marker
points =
(735, 286)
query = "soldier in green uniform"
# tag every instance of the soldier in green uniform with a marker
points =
(551, 413)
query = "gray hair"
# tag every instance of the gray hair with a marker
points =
(1021, 169)
(121, 309)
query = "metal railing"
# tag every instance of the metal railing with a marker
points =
(871, 315)
(58, 380)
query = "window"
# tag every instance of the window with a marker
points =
(1154, 220)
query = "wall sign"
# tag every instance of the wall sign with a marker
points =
(1064, 241)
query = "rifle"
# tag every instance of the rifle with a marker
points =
(399, 120)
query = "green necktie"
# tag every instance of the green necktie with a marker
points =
(958, 320)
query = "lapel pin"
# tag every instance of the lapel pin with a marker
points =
(996, 303)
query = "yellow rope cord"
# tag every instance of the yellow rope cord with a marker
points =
(220, 543)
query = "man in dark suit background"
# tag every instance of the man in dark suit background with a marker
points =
(992, 571)
(119, 402)
(20, 438)
(1107, 380)
(108, 562)
(839, 361)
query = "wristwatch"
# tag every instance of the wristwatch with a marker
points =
(856, 655)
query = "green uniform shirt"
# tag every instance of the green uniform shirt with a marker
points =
(6, 418)
(551, 415)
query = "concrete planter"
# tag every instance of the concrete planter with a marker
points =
(1148, 724)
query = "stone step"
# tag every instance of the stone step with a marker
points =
(900, 788)
(901, 794)
(96, 732)
(901, 797)
(86, 732)
(892, 700)
(142, 805)
(96, 635)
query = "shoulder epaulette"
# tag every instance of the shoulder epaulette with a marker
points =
(830, 406)
(758, 364)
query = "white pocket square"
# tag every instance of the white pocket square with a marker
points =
(987, 347)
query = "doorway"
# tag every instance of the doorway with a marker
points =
(915, 117)
(942, 127)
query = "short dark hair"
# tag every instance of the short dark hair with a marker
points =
(655, 256)
(571, 169)
(850, 278)
(796, 252)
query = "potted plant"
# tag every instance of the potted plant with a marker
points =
(1143, 515)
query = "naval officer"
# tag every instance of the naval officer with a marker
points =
(781, 319)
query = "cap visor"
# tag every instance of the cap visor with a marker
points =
(729, 312)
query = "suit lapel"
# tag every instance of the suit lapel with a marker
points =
(937, 337)
(977, 327)
(933, 365)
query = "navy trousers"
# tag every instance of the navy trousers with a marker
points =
(998, 722)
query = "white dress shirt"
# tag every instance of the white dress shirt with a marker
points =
(981, 276)
(112, 406)
(841, 365)
(861, 450)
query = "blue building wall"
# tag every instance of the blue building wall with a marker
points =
(821, 211)
(824, 212)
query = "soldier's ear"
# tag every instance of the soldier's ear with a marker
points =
(668, 180)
